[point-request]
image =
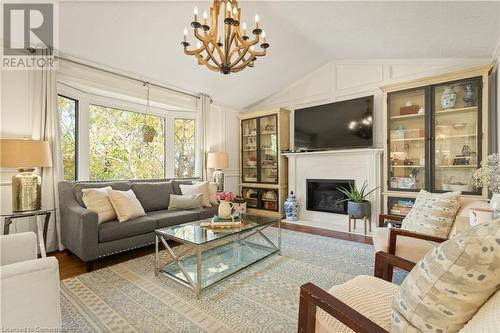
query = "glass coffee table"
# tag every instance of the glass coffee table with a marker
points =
(215, 254)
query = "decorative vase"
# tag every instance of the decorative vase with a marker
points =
(291, 208)
(469, 94)
(225, 209)
(448, 98)
(359, 209)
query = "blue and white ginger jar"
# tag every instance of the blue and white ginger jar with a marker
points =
(291, 208)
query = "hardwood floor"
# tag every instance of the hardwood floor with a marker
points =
(70, 265)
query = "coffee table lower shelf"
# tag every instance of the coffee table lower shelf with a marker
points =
(216, 264)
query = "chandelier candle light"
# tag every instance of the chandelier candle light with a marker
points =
(230, 49)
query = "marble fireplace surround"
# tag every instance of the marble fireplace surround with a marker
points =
(357, 164)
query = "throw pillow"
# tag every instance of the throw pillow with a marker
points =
(433, 213)
(187, 201)
(212, 191)
(198, 188)
(126, 205)
(97, 200)
(446, 288)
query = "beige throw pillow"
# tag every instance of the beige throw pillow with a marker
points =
(212, 190)
(126, 205)
(186, 201)
(446, 288)
(96, 199)
(198, 188)
(433, 213)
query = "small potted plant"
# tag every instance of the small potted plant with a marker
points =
(225, 204)
(357, 205)
(148, 133)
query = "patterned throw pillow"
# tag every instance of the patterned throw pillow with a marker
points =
(446, 288)
(433, 213)
(96, 199)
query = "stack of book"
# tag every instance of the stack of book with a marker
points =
(217, 222)
(401, 207)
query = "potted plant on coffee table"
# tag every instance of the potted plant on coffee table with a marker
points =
(357, 205)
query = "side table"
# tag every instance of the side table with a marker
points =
(42, 223)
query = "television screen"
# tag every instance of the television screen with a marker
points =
(340, 125)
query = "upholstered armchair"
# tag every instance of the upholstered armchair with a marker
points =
(363, 304)
(413, 246)
(29, 286)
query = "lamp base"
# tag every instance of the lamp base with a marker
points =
(218, 177)
(26, 191)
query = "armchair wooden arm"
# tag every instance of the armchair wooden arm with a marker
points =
(385, 262)
(395, 232)
(383, 217)
(312, 296)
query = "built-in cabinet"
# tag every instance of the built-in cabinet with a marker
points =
(436, 135)
(264, 171)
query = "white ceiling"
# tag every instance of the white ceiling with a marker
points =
(144, 38)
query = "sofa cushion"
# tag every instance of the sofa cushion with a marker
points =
(176, 183)
(153, 195)
(446, 288)
(113, 230)
(117, 185)
(433, 213)
(368, 295)
(410, 248)
(206, 213)
(486, 318)
(167, 218)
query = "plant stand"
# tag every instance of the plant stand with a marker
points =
(366, 219)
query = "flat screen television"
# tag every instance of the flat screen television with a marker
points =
(340, 125)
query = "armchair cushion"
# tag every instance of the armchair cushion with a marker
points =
(433, 213)
(486, 318)
(409, 248)
(18, 247)
(370, 296)
(450, 283)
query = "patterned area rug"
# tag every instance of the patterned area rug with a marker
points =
(127, 297)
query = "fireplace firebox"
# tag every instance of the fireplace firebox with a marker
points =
(322, 195)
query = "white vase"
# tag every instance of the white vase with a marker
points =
(495, 205)
(225, 209)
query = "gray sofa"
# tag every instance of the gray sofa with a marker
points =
(84, 237)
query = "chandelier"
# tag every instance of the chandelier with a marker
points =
(224, 45)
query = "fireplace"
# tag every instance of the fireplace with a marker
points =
(322, 195)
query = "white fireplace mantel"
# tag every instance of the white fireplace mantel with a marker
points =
(356, 164)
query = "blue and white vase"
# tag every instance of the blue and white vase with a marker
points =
(291, 208)
(469, 94)
(448, 98)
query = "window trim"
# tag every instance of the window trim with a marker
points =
(77, 136)
(85, 99)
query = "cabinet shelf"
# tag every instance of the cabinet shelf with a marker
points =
(439, 112)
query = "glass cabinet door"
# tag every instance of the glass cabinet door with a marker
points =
(251, 196)
(268, 149)
(249, 150)
(457, 146)
(407, 140)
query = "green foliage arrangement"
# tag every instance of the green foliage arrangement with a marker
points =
(355, 194)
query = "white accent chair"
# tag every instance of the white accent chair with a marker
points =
(29, 286)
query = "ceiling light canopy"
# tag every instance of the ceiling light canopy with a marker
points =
(223, 45)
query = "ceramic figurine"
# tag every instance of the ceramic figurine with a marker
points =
(469, 94)
(448, 98)
(291, 208)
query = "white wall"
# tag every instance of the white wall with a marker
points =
(346, 79)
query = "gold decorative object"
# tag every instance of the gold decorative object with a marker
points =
(26, 185)
(229, 50)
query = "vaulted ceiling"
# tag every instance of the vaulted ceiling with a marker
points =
(143, 38)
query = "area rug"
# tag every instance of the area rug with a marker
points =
(127, 297)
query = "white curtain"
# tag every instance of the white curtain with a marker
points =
(203, 109)
(46, 127)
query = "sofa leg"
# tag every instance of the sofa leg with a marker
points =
(90, 266)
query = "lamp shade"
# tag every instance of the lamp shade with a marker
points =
(217, 160)
(18, 153)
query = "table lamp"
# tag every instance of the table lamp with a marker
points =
(25, 155)
(218, 161)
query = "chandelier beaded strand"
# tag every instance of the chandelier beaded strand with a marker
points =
(231, 49)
